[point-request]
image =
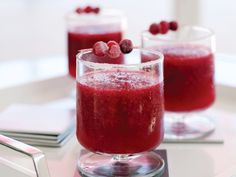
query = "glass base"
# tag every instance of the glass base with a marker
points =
(187, 126)
(139, 165)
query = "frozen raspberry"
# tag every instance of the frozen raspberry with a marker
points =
(79, 10)
(173, 25)
(164, 27)
(114, 49)
(96, 10)
(154, 28)
(111, 43)
(126, 46)
(100, 49)
(88, 9)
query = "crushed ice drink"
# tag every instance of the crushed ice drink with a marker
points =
(119, 112)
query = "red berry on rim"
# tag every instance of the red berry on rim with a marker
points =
(154, 28)
(79, 10)
(173, 25)
(114, 49)
(96, 10)
(164, 27)
(100, 49)
(88, 9)
(111, 43)
(126, 46)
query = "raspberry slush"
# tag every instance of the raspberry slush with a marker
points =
(119, 112)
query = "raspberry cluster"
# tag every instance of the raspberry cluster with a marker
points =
(163, 27)
(87, 10)
(112, 49)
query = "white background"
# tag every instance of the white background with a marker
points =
(36, 28)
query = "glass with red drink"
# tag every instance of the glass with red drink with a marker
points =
(188, 79)
(120, 111)
(85, 29)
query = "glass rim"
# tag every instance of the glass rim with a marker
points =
(211, 33)
(105, 65)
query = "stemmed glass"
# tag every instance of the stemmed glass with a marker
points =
(120, 113)
(188, 79)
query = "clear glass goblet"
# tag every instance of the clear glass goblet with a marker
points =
(120, 107)
(188, 79)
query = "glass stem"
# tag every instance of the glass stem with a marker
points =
(180, 118)
(179, 122)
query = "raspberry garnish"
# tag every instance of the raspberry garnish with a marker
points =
(173, 25)
(100, 49)
(164, 27)
(79, 10)
(96, 10)
(126, 46)
(88, 9)
(154, 28)
(114, 49)
(111, 43)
